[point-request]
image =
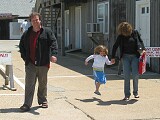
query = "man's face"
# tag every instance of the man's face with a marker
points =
(35, 21)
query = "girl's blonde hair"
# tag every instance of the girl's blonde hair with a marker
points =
(125, 29)
(100, 48)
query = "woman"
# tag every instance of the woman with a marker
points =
(129, 54)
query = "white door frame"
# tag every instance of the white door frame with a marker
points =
(66, 28)
(78, 39)
(143, 21)
(139, 5)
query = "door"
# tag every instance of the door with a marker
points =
(78, 28)
(143, 21)
(67, 28)
(15, 30)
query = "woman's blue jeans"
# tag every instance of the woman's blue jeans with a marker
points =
(130, 65)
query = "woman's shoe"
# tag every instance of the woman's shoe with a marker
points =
(126, 99)
(136, 96)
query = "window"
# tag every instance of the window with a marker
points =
(103, 16)
(143, 10)
(147, 9)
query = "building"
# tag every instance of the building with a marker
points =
(145, 16)
(83, 24)
(12, 13)
(75, 22)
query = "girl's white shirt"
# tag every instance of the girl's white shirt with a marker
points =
(99, 61)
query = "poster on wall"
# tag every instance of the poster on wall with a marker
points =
(153, 51)
(5, 58)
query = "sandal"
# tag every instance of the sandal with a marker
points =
(44, 105)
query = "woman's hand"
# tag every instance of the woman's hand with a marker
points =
(144, 51)
(112, 61)
(53, 59)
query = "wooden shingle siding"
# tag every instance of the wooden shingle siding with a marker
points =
(130, 11)
(119, 11)
(155, 23)
(117, 15)
(85, 18)
(89, 15)
(154, 27)
(155, 32)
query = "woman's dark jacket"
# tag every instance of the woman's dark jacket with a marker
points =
(46, 46)
(128, 44)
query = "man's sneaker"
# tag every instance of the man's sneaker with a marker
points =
(25, 108)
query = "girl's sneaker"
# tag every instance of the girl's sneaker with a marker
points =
(97, 93)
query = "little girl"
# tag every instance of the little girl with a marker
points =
(100, 58)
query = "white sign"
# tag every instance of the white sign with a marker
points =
(153, 51)
(5, 58)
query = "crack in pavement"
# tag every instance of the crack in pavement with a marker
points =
(80, 110)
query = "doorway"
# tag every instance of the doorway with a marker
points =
(4, 29)
(143, 21)
(67, 28)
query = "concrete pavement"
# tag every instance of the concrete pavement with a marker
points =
(71, 97)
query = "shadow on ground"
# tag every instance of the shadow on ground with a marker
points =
(105, 103)
(77, 64)
(17, 110)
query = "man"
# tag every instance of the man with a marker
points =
(24, 26)
(37, 48)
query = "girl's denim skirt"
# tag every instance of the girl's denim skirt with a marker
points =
(99, 76)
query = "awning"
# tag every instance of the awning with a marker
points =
(4, 16)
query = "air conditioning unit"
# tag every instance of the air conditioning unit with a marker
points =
(94, 28)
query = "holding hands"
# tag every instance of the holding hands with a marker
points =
(86, 63)
(113, 61)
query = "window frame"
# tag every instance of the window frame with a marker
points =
(105, 15)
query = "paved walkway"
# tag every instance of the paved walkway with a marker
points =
(71, 97)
